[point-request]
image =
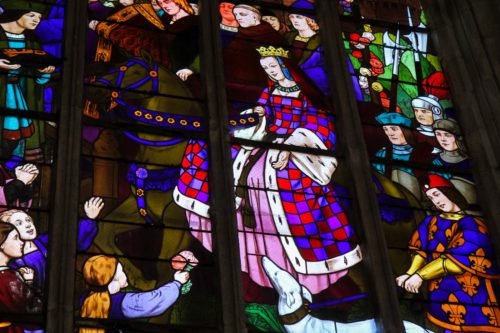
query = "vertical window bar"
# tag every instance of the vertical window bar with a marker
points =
(65, 205)
(223, 215)
(374, 245)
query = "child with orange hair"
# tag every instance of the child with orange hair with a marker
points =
(105, 277)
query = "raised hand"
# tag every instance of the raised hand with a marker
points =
(93, 207)
(184, 74)
(26, 173)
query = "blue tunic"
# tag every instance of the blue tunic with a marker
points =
(37, 259)
(399, 153)
(18, 128)
(144, 304)
(464, 302)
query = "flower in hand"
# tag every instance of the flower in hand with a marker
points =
(181, 277)
(184, 261)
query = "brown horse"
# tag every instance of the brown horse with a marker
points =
(148, 224)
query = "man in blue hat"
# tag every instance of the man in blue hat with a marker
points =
(397, 128)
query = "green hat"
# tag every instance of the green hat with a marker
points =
(448, 125)
(393, 118)
(24, 5)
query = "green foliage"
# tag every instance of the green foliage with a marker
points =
(264, 317)
(355, 62)
(404, 98)
(423, 18)
(378, 50)
(434, 62)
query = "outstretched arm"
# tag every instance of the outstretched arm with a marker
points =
(87, 229)
(151, 303)
(155, 302)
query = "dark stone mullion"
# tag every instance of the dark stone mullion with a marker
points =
(222, 211)
(475, 88)
(382, 286)
(66, 186)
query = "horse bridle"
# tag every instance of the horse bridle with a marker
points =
(153, 77)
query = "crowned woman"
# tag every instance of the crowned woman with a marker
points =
(21, 81)
(305, 231)
(453, 252)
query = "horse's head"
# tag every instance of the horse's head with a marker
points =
(134, 79)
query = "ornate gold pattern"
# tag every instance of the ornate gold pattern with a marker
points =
(469, 283)
(454, 310)
(479, 262)
(272, 51)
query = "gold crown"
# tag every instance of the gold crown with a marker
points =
(271, 51)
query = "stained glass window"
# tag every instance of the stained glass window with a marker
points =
(235, 165)
(146, 157)
(435, 232)
(30, 64)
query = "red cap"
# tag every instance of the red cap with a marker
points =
(436, 181)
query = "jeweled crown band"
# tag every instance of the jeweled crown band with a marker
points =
(272, 51)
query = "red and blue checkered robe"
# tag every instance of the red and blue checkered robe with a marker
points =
(316, 219)
(464, 302)
(317, 222)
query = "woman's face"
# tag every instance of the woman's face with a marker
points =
(441, 201)
(169, 6)
(395, 135)
(24, 225)
(423, 116)
(272, 68)
(29, 20)
(226, 11)
(446, 140)
(120, 276)
(13, 245)
(246, 18)
(273, 21)
(299, 22)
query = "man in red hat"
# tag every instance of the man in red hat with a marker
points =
(452, 251)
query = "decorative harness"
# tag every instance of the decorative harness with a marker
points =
(162, 119)
(160, 179)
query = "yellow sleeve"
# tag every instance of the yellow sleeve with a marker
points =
(416, 263)
(438, 268)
